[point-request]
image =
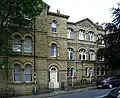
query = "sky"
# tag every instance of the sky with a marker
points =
(95, 10)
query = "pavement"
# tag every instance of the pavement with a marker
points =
(57, 93)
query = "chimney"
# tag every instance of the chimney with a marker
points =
(58, 11)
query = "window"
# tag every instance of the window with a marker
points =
(86, 71)
(91, 71)
(82, 54)
(17, 73)
(17, 44)
(90, 36)
(91, 55)
(73, 72)
(68, 71)
(100, 39)
(70, 54)
(54, 26)
(70, 34)
(98, 71)
(53, 50)
(28, 45)
(103, 71)
(28, 73)
(81, 35)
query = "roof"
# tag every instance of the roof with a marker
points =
(71, 23)
(57, 14)
(85, 20)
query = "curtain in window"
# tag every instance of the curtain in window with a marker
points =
(53, 50)
(28, 73)
(17, 73)
(17, 44)
(28, 45)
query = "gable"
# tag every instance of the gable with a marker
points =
(86, 23)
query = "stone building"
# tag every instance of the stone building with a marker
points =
(65, 52)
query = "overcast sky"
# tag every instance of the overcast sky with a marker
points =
(96, 10)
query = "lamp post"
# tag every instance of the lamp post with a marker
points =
(35, 89)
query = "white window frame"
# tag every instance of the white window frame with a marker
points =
(100, 39)
(92, 55)
(70, 33)
(54, 26)
(17, 44)
(53, 50)
(81, 35)
(70, 54)
(86, 71)
(17, 73)
(90, 36)
(28, 73)
(28, 45)
(82, 52)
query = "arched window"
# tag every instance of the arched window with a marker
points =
(54, 26)
(86, 71)
(81, 34)
(70, 34)
(91, 55)
(28, 73)
(82, 54)
(103, 71)
(100, 39)
(17, 73)
(73, 72)
(53, 49)
(91, 71)
(28, 45)
(90, 36)
(17, 43)
(98, 71)
(70, 54)
(68, 72)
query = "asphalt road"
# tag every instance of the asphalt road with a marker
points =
(86, 94)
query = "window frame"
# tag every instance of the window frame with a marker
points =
(90, 36)
(17, 73)
(70, 54)
(81, 34)
(53, 50)
(30, 45)
(54, 26)
(17, 44)
(29, 66)
(70, 33)
(82, 53)
(91, 55)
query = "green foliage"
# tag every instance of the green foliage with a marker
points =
(16, 12)
(116, 16)
(20, 12)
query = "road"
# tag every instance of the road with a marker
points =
(85, 94)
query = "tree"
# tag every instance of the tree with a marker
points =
(20, 12)
(116, 16)
(112, 40)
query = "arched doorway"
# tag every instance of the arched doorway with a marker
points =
(53, 77)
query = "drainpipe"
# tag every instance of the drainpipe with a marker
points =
(35, 89)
